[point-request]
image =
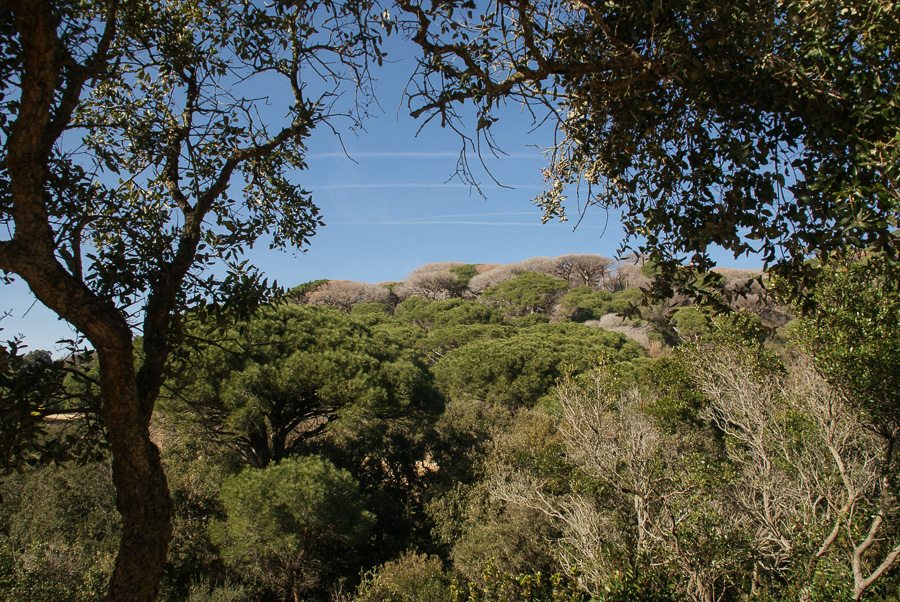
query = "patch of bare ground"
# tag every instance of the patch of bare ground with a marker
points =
(615, 323)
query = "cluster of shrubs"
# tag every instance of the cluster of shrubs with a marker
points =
(584, 288)
(411, 441)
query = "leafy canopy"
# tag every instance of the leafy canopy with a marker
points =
(292, 524)
(527, 293)
(854, 340)
(753, 125)
(271, 384)
(522, 368)
(143, 142)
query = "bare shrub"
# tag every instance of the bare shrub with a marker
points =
(649, 506)
(614, 323)
(577, 269)
(434, 281)
(833, 484)
(582, 269)
(347, 293)
(538, 265)
(627, 274)
(800, 480)
(437, 266)
(733, 278)
(485, 280)
(485, 267)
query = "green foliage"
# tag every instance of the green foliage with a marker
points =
(390, 459)
(464, 273)
(853, 336)
(533, 443)
(643, 584)
(299, 379)
(411, 578)
(691, 322)
(528, 320)
(203, 591)
(584, 303)
(370, 312)
(165, 59)
(499, 586)
(625, 301)
(196, 471)
(677, 401)
(506, 472)
(34, 386)
(463, 440)
(292, 525)
(521, 370)
(452, 312)
(59, 531)
(517, 539)
(414, 310)
(623, 544)
(139, 162)
(468, 523)
(788, 432)
(479, 526)
(269, 385)
(650, 269)
(299, 291)
(671, 117)
(442, 340)
(385, 327)
(527, 293)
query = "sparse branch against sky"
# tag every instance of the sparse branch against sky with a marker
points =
(391, 204)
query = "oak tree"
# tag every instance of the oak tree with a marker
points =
(141, 143)
(756, 126)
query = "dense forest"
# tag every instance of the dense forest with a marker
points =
(528, 431)
(559, 429)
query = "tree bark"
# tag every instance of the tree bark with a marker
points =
(142, 493)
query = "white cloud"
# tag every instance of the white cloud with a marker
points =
(439, 222)
(414, 155)
(459, 219)
(461, 215)
(315, 187)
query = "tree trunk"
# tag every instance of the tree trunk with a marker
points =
(142, 491)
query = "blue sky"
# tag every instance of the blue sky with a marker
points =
(395, 206)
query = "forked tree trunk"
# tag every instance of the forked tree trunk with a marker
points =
(142, 493)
